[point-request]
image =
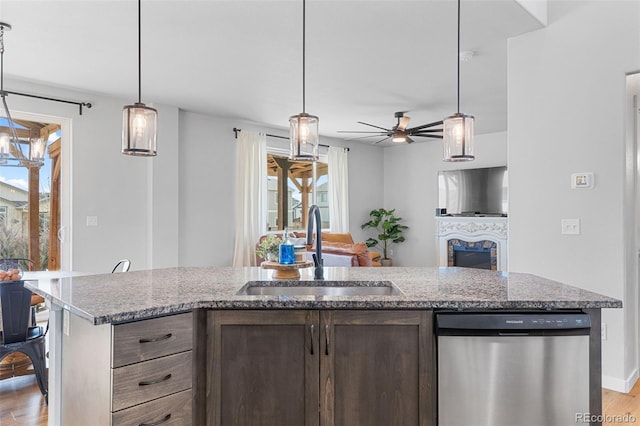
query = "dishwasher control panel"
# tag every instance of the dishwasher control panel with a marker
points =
(513, 321)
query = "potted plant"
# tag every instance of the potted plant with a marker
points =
(268, 248)
(389, 229)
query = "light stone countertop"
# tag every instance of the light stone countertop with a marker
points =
(122, 297)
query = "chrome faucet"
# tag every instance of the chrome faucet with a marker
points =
(314, 213)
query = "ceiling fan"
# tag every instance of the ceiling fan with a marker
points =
(400, 133)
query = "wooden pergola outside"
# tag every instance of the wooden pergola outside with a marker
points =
(301, 174)
(34, 129)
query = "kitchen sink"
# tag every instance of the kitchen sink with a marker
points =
(320, 288)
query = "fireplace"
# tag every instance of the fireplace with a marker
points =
(469, 254)
(476, 242)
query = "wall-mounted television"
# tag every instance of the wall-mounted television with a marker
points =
(467, 192)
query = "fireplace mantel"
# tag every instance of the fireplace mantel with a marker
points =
(472, 229)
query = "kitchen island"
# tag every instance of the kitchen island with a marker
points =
(219, 350)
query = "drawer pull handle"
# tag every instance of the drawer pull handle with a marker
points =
(159, 422)
(157, 339)
(153, 382)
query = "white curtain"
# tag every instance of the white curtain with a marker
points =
(251, 195)
(338, 189)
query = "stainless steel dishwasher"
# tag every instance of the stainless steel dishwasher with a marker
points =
(512, 369)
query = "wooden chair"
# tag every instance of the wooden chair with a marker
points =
(17, 335)
(122, 266)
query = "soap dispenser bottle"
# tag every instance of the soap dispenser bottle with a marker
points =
(286, 249)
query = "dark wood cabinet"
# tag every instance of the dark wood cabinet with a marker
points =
(376, 368)
(320, 368)
(263, 368)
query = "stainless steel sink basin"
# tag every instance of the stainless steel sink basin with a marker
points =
(319, 288)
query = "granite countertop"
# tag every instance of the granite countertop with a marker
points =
(121, 297)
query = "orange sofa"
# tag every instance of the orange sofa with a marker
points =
(338, 249)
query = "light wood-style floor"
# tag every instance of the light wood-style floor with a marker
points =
(21, 403)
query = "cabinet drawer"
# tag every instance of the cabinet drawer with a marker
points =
(169, 410)
(142, 382)
(148, 339)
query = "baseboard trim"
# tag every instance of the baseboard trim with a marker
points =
(620, 385)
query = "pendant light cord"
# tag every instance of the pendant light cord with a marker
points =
(458, 57)
(2, 60)
(304, 32)
(139, 52)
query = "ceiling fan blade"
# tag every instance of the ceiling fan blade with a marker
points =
(425, 131)
(409, 140)
(381, 140)
(364, 137)
(427, 136)
(425, 126)
(404, 121)
(372, 125)
(358, 131)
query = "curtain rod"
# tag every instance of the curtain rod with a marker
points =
(80, 104)
(236, 131)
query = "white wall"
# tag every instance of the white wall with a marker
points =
(566, 114)
(207, 187)
(411, 187)
(112, 186)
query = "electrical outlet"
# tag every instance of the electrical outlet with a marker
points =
(92, 220)
(390, 252)
(570, 226)
(603, 332)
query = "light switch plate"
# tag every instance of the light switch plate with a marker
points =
(582, 180)
(570, 226)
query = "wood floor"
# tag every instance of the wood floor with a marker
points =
(21, 403)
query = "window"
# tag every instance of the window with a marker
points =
(3, 215)
(292, 200)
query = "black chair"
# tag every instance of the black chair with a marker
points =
(122, 266)
(17, 335)
(25, 264)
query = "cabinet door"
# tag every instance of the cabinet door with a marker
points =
(376, 368)
(263, 369)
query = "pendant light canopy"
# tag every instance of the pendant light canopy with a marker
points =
(11, 146)
(458, 128)
(304, 136)
(139, 122)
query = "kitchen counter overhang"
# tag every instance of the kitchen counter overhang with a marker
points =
(123, 297)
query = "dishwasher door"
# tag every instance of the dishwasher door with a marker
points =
(512, 370)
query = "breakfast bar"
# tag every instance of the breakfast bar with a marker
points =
(227, 345)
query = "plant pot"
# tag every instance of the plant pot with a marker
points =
(386, 262)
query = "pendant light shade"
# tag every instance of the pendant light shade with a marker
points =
(139, 128)
(37, 146)
(304, 136)
(458, 138)
(139, 122)
(457, 135)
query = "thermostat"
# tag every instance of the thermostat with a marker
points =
(582, 180)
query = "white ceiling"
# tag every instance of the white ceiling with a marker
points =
(243, 59)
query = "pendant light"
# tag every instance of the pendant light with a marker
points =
(458, 128)
(10, 146)
(139, 122)
(303, 127)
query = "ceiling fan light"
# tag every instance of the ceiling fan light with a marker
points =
(303, 137)
(458, 138)
(399, 137)
(139, 128)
